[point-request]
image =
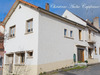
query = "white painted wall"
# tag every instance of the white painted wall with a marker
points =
(97, 45)
(22, 41)
(47, 40)
(67, 14)
(53, 46)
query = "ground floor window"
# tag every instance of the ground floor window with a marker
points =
(9, 58)
(20, 58)
(29, 53)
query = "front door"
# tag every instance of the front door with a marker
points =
(10, 61)
(81, 55)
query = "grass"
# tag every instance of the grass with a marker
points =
(63, 70)
(74, 68)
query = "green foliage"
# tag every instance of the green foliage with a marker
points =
(86, 61)
(79, 62)
(64, 70)
(78, 67)
(44, 73)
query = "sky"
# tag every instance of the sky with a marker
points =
(86, 9)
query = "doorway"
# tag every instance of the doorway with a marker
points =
(81, 55)
(90, 50)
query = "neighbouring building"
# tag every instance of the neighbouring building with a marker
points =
(38, 40)
(1, 45)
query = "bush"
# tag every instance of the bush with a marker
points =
(86, 61)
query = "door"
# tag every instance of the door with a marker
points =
(81, 55)
(10, 61)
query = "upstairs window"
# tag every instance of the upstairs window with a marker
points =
(29, 26)
(80, 34)
(71, 33)
(89, 35)
(12, 31)
(65, 32)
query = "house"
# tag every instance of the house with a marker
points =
(91, 38)
(1, 46)
(38, 40)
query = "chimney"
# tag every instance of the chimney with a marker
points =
(47, 6)
(96, 22)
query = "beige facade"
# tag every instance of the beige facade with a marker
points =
(20, 70)
(54, 65)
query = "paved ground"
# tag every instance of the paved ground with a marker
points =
(91, 70)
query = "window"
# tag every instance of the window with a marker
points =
(71, 33)
(12, 31)
(89, 35)
(20, 7)
(29, 26)
(22, 56)
(95, 51)
(80, 35)
(9, 58)
(65, 32)
(30, 53)
(99, 51)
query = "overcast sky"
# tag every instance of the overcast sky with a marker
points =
(83, 8)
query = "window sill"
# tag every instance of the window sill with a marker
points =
(68, 37)
(11, 37)
(7, 64)
(19, 64)
(81, 40)
(28, 33)
(29, 57)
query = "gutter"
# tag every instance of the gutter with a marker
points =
(93, 27)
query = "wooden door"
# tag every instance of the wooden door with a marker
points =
(81, 55)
